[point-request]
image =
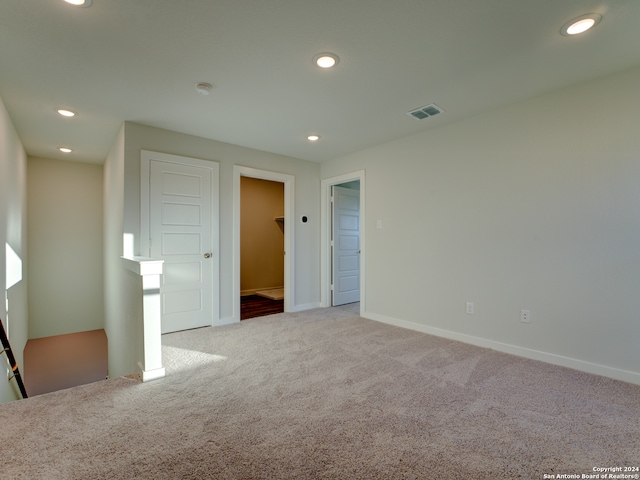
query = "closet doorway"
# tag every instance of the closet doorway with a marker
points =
(261, 268)
(261, 247)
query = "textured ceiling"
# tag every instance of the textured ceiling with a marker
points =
(139, 60)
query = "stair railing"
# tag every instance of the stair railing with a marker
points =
(12, 361)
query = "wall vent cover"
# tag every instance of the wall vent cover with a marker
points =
(425, 112)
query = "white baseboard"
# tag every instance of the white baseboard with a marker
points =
(225, 321)
(596, 369)
(148, 375)
(305, 306)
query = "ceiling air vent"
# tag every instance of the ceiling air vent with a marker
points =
(425, 112)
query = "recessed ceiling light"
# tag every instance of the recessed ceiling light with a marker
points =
(313, 138)
(204, 88)
(325, 60)
(78, 3)
(580, 24)
(65, 149)
(65, 112)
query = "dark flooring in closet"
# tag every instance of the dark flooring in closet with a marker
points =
(252, 306)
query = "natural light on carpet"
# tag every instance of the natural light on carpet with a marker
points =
(180, 359)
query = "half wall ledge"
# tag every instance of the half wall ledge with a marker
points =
(150, 270)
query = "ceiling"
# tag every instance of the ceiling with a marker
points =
(139, 61)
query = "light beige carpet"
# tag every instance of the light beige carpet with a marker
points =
(325, 394)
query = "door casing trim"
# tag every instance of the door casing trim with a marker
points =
(289, 223)
(325, 233)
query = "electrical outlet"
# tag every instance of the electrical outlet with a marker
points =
(525, 316)
(471, 308)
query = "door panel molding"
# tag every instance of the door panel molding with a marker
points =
(346, 228)
(146, 159)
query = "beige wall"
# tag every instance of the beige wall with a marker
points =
(534, 206)
(13, 237)
(261, 237)
(65, 247)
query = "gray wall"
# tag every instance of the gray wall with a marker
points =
(534, 206)
(122, 289)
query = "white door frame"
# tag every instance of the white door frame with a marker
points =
(145, 163)
(325, 232)
(289, 245)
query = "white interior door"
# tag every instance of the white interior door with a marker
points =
(346, 245)
(180, 233)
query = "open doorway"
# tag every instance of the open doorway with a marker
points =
(343, 240)
(287, 182)
(345, 243)
(261, 247)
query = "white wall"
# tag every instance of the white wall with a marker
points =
(307, 201)
(65, 247)
(13, 166)
(535, 206)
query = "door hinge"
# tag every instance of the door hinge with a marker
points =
(332, 287)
